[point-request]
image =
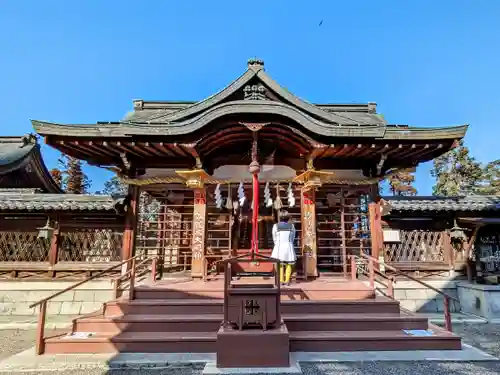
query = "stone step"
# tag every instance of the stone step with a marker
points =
(392, 340)
(380, 305)
(212, 322)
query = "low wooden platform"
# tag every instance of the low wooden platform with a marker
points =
(327, 289)
(331, 315)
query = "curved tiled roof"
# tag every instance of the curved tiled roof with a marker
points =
(21, 165)
(26, 200)
(436, 203)
(182, 118)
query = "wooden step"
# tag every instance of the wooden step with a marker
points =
(134, 342)
(380, 305)
(214, 290)
(205, 342)
(149, 323)
(212, 322)
(342, 341)
(353, 322)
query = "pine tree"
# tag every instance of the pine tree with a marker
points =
(115, 187)
(457, 173)
(490, 184)
(401, 183)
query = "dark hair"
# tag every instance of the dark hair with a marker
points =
(284, 216)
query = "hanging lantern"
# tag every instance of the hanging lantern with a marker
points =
(457, 234)
(46, 231)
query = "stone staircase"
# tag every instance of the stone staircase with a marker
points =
(164, 318)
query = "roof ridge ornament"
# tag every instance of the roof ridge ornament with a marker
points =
(28, 139)
(255, 64)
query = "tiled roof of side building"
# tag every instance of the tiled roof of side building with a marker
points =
(437, 203)
(30, 200)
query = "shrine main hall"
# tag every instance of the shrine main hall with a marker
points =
(320, 162)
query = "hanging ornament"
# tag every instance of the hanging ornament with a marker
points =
(218, 197)
(229, 200)
(267, 196)
(278, 205)
(241, 194)
(290, 196)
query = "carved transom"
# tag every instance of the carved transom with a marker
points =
(254, 92)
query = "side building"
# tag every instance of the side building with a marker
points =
(45, 232)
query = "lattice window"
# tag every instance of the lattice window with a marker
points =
(219, 224)
(90, 245)
(417, 246)
(165, 226)
(23, 247)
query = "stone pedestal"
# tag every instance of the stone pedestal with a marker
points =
(481, 300)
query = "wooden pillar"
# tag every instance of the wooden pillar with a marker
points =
(377, 238)
(130, 231)
(448, 250)
(199, 233)
(54, 247)
(308, 216)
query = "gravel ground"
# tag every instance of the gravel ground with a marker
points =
(483, 336)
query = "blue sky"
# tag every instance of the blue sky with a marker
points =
(426, 62)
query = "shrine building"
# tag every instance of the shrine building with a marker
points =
(320, 162)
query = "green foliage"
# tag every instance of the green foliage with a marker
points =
(490, 184)
(401, 183)
(457, 173)
(115, 187)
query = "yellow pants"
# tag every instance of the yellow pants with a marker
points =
(285, 273)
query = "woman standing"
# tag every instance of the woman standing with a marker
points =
(283, 238)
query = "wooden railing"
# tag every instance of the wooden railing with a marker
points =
(213, 273)
(390, 287)
(131, 273)
(372, 275)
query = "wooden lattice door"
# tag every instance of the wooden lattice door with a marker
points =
(343, 226)
(165, 227)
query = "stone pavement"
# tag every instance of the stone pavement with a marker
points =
(484, 336)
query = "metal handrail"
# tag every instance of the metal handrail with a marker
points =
(371, 261)
(90, 278)
(398, 272)
(40, 335)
